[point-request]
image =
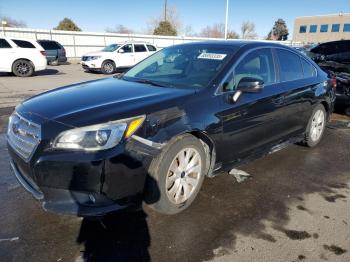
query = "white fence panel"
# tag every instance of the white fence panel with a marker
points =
(79, 43)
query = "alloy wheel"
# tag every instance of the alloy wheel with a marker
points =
(183, 175)
(317, 125)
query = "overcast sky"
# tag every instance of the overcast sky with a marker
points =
(135, 14)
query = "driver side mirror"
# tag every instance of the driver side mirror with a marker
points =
(121, 51)
(250, 85)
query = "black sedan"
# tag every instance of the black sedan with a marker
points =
(185, 113)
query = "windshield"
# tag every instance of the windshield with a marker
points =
(185, 66)
(111, 48)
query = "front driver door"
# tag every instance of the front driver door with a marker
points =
(126, 57)
(252, 123)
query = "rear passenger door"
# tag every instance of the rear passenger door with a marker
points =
(297, 79)
(140, 52)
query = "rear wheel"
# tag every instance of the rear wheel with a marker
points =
(23, 68)
(316, 126)
(54, 62)
(108, 67)
(176, 176)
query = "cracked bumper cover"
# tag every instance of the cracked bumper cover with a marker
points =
(86, 184)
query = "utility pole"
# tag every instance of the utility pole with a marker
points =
(226, 18)
(3, 23)
(165, 9)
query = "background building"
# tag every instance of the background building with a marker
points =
(323, 28)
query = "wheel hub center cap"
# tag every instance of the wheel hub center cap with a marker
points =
(182, 175)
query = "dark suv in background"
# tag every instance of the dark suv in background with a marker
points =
(334, 58)
(55, 52)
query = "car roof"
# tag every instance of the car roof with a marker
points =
(237, 43)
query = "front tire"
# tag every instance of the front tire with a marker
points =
(176, 175)
(316, 126)
(108, 67)
(23, 68)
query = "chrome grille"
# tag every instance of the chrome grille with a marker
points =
(23, 136)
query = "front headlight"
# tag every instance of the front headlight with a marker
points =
(89, 58)
(98, 137)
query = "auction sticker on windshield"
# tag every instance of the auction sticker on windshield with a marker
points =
(212, 56)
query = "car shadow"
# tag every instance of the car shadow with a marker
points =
(48, 72)
(122, 236)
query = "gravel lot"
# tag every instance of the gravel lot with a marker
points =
(294, 207)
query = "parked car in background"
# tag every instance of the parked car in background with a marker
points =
(334, 58)
(22, 57)
(153, 134)
(117, 57)
(55, 52)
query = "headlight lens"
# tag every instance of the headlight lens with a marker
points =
(89, 58)
(98, 137)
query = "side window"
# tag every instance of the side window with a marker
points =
(324, 29)
(23, 44)
(309, 69)
(4, 43)
(140, 48)
(127, 48)
(302, 29)
(258, 64)
(151, 48)
(49, 45)
(290, 65)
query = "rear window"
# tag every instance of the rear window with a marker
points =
(4, 43)
(140, 48)
(309, 70)
(49, 45)
(23, 44)
(290, 65)
(151, 48)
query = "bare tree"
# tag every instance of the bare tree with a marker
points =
(232, 35)
(120, 29)
(248, 30)
(214, 31)
(171, 16)
(13, 22)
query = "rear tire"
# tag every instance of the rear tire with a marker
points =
(316, 126)
(108, 67)
(23, 68)
(173, 185)
(54, 63)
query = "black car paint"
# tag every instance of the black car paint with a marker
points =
(234, 132)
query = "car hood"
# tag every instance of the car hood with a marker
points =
(95, 54)
(101, 101)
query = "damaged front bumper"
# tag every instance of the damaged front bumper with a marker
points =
(82, 184)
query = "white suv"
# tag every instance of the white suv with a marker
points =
(117, 56)
(21, 56)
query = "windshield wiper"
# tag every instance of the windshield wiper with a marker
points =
(149, 82)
